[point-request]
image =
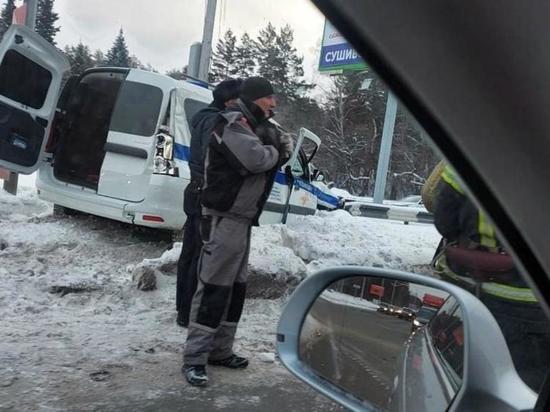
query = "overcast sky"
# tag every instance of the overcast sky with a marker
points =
(160, 32)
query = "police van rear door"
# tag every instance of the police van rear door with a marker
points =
(31, 74)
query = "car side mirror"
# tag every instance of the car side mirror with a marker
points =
(374, 339)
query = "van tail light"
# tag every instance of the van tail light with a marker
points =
(163, 162)
(153, 218)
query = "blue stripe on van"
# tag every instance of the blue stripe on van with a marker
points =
(302, 184)
(181, 152)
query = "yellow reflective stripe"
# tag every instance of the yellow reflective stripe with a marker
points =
(509, 292)
(486, 231)
(496, 289)
(449, 176)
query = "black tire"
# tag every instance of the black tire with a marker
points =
(59, 210)
(153, 235)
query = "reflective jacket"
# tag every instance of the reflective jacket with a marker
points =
(473, 255)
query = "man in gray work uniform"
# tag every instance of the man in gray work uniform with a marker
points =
(243, 156)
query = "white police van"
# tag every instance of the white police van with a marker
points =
(115, 142)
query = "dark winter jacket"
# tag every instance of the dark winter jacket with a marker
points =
(202, 124)
(457, 218)
(240, 167)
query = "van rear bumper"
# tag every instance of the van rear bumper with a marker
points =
(164, 199)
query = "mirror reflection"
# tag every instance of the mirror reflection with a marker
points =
(395, 345)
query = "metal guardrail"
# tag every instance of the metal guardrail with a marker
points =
(404, 214)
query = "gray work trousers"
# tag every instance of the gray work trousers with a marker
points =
(218, 302)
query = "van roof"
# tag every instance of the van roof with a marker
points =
(191, 89)
(194, 89)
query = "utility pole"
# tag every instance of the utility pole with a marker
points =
(385, 149)
(194, 60)
(30, 18)
(10, 185)
(207, 34)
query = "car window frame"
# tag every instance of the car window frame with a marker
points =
(536, 269)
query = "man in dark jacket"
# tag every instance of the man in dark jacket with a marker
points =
(202, 123)
(240, 167)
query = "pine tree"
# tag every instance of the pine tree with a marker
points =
(45, 20)
(293, 85)
(119, 56)
(80, 58)
(99, 58)
(224, 57)
(178, 74)
(267, 55)
(279, 62)
(6, 16)
(135, 63)
(245, 65)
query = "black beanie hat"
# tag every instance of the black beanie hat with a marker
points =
(226, 90)
(255, 88)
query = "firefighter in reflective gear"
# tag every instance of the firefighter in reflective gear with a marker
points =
(472, 257)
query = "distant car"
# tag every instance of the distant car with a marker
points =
(423, 316)
(407, 314)
(383, 308)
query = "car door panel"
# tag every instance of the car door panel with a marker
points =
(31, 73)
(127, 167)
(295, 196)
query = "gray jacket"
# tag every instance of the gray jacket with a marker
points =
(238, 166)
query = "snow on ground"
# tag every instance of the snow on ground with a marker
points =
(344, 299)
(69, 311)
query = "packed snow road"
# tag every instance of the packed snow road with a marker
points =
(76, 334)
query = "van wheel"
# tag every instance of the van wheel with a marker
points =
(177, 235)
(152, 235)
(59, 210)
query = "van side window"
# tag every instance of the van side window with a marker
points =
(137, 109)
(192, 107)
(24, 81)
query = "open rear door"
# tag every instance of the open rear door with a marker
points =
(303, 195)
(292, 192)
(31, 73)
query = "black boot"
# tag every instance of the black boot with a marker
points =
(195, 375)
(233, 362)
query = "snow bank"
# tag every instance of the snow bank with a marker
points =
(310, 243)
(348, 300)
(68, 307)
(337, 238)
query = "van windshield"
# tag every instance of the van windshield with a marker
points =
(137, 109)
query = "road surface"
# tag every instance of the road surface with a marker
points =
(355, 348)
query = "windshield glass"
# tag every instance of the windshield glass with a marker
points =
(125, 266)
